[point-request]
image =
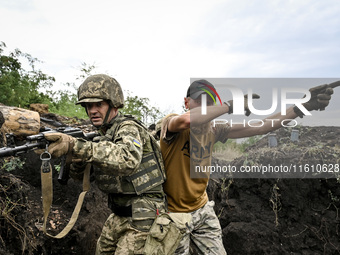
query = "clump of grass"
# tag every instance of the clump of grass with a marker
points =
(12, 163)
(231, 149)
(227, 151)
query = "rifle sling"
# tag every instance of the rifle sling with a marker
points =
(47, 194)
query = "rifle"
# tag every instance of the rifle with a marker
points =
(38, 141)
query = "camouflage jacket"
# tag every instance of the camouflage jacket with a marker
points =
(119, 155)
(124, 159)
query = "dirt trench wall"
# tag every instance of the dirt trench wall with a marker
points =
(257, 216)
(21, 229)
(280, 215)
(267, 216)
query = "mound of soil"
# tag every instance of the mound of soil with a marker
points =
(257, 215)
(282, 215)
(21, 210)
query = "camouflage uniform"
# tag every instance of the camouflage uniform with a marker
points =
(124, 232)
(124, 168)
(204, 232)
(118, 232)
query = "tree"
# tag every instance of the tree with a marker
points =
(64, 100)
(139, 107)
(18, 86)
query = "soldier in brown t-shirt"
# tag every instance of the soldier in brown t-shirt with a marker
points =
(187, 140)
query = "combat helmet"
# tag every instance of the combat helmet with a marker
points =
(101, 87)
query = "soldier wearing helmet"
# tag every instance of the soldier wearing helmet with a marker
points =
(97, 90)
(120, 166)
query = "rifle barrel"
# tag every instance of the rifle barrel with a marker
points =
(7, 152)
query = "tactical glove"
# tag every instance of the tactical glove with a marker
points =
(246, 107)
(60, 144)
(320, 96)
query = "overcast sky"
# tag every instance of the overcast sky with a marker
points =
(153, 48)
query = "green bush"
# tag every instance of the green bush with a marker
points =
(20, 88)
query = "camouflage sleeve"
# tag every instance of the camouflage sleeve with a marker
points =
(119, 157)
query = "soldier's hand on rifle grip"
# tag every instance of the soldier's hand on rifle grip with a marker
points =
(59, 144)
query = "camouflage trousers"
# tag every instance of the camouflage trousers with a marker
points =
(120, 238)
(204, 231)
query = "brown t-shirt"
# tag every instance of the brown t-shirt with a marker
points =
(186, 194)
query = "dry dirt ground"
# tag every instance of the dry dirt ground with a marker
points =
(257, 215)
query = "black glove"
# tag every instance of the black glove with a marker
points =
(320, 96)
(246, 108)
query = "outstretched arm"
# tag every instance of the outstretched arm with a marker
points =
(195, 117)
(320, 97)
(268, 124)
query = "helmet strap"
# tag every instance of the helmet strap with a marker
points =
(107, 114)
